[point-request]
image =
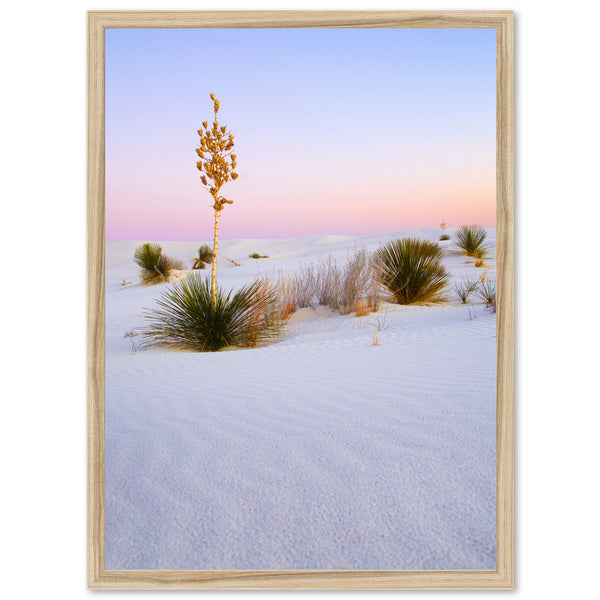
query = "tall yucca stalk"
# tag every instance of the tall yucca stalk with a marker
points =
(217, 163)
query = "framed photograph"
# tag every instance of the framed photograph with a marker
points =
(300, 299)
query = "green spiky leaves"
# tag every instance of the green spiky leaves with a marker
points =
(155, 267)
(412, 270)
(187, 318)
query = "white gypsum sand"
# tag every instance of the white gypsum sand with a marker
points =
(319, 451)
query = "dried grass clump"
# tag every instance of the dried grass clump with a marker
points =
(155, 267)
(412, 270)
(188, 318)
(480, 255)
(351, 288)
(306, 286)
(286, 286)
(360, 291)
(329, 282)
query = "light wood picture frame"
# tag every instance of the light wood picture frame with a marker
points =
(101, 578)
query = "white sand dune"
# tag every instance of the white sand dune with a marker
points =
(320, 451)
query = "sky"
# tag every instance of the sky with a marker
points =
(337, 131)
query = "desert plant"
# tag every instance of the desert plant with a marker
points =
(257, 255)
(155, 267)
(286, 288)
(444, 235)
(205, 256)
(373, 297)
(329, 279)
(353, 287)
(470, 238)
(379, 326)
(306, 285)
(412, 270)
(217, 163)
(465, 288)
(187, 317)
(480, 255)
(359, 289)
(487, 292)
(264, 319)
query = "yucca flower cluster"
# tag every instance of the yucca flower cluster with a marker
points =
(217, 161)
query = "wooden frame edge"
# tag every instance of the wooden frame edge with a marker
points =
(95, 301)
(505, 288)
(503, 576)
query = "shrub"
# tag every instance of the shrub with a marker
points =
(444, 235)
(470, 238)
(353, 287)
(257, 255)
(205, 256)
(412, 270)
(329, 279)
(480, 255)
(487, 292)
(155, 267)
(465, 288)
(286, 288)
(359, 289)
(306, 285)
(187, 318)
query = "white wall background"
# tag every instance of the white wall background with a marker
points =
(42, 303)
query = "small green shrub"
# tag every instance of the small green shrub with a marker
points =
(257, 255)
(444, 237)
(465, 288)
(155, 267)
(487, 292)
(412, 270)
(186, 317)
(480, 255)
(205, 256)
(470, 238)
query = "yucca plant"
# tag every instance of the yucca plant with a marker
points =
(470, 238)
(465, 288)
(444, 235)
(205, 255)
(412, 270)
(216, 165)
(155, 267)
(487, 292)
(188, 318)
(480, 255)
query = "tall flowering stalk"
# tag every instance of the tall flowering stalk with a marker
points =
(217, 163)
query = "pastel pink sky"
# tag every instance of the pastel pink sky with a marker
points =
(337, 131)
